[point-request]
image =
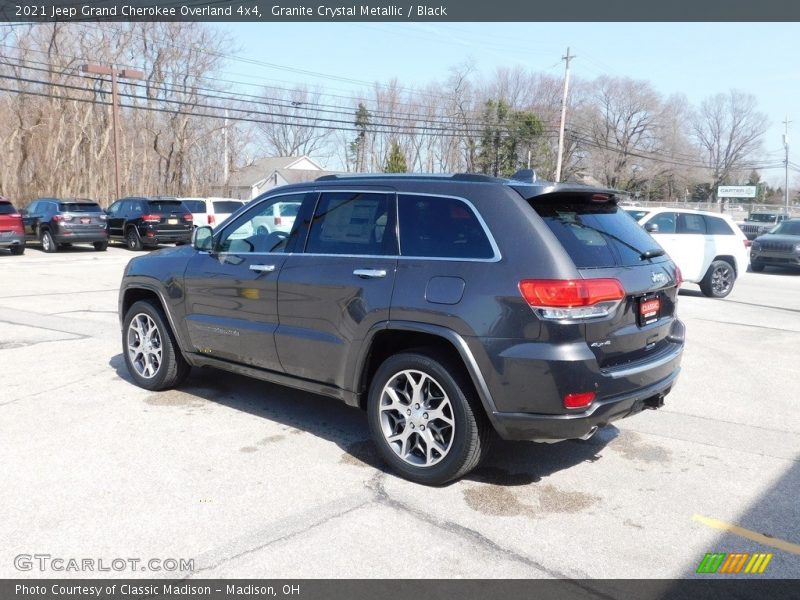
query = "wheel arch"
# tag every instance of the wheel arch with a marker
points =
(389, 338)
(728, 258)
(133, 293)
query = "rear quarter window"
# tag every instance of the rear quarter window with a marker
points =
(717, 226)
(441, 227)
(594, 234)
(6, 208)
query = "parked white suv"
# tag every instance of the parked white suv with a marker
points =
(709, 248)
(211, 211)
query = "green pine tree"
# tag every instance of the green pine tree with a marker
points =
(396, 161)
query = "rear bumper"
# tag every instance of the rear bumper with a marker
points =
(154, 236)
(81, 237)
(11, 238)
(523, 426)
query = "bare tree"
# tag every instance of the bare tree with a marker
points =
(298, 126)
(729, 129)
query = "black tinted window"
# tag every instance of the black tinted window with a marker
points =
(75, 207)
(689, 223)
(6, 208)
(166, 206)
(195, 206)
(717, 226)
(353, 223)
(437, 227)
(594, 234)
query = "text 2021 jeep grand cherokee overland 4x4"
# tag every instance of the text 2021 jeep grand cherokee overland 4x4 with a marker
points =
(444, 306)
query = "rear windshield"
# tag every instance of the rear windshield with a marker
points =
(78, 207)
(288, 209)
(226, 206)
(594, 234)
(6, 208)
(167, 206)
(195, 206)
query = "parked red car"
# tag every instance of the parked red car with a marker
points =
(12, 234)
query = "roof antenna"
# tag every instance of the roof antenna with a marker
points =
(526, 175)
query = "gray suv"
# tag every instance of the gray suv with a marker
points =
(447, 307)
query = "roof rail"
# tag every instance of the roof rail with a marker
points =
(410, 176)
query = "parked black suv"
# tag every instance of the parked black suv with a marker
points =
(778, 248)
(59, 222)
(444, 306)
(146, 222)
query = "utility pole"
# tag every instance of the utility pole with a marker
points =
(567, 58)
(115, 73)
(225, 166)
(786, 166)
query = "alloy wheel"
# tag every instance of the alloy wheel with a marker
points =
(144, 345)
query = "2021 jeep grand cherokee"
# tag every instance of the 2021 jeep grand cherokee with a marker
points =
(445, 306)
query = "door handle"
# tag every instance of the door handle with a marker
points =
(262, 268)
(370, 273)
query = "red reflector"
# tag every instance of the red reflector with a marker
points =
(153, 218)
(278, 221)
(580, 400)
(678, 276)
(211, 219)
(568, 293)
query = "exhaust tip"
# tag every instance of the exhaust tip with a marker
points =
(592, 431)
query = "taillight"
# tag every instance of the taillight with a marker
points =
(278, 221)
(212, 219)
(151, 218)
(559, 299)
(65, 217)
(15, 216)
(747, 243)
(578, 400)
(57, 218)
(187, 217)
(678, 277)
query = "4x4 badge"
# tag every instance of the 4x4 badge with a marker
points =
(657, 277)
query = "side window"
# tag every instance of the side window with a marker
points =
(437, 227)
(114, 208)
(665, 222)
(360, 223)
(717, 226)
(257, 230)
(691, 224)
(33, 207)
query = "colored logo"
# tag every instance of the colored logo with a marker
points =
(738, 562)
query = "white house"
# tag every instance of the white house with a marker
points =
(267, 173)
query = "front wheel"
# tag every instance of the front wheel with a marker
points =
(425, 417)
(719, 279)
(150, 349)
(18, 250)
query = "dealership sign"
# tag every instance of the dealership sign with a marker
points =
(736, 191)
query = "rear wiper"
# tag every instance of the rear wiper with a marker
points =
(652, 253)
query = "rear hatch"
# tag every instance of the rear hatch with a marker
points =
(10, 219)
(172, 215)
(605, 243)
(81, 217)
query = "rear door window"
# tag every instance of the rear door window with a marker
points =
(691, 224)
(594, 234)
(358, 223)
(441, 227)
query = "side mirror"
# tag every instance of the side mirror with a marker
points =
(23, 212)
(202, 239)
(651, 228)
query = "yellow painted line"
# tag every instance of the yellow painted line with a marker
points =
(765, 563)
(750, 535)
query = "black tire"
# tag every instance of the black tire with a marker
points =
(100, 246)
(719, 279)
(172, 368)
(132, 240)
(756, 267)
(48, 243)
(18, 250)
(468, 436)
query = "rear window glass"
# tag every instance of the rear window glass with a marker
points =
(77, 207)
(166, 205)
(717, 226)
(6, 208)
(436, 227)
(195, 206)
(594, 234)
(226, 206)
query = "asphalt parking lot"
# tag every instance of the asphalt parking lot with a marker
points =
(253, 480)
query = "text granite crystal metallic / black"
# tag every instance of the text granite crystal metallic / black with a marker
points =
(447, 307)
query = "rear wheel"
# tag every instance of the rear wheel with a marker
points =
(150, 349)
(17, 250)
(48, 243)
(132, 239)
(719, 279)
(756, 267)
(100, 246)
(425, 417)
